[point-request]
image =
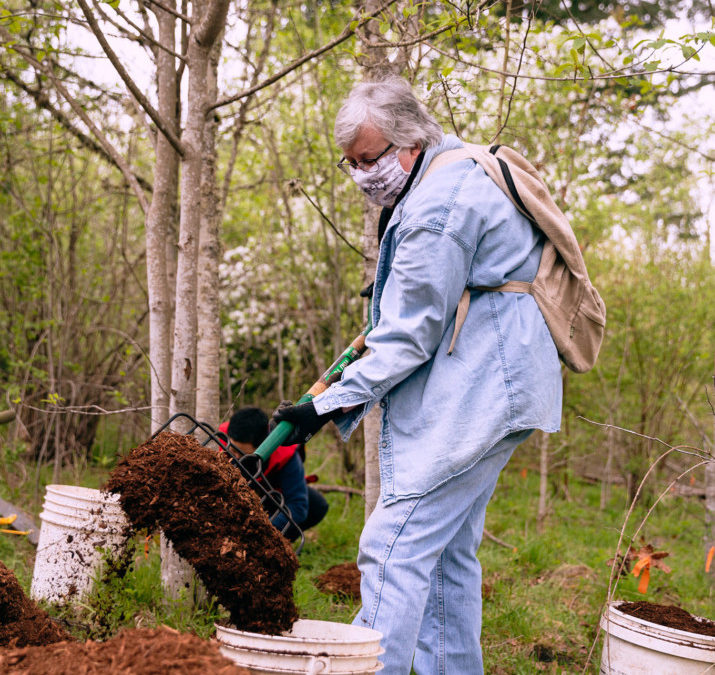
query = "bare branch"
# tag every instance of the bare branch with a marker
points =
(43, 101)
(5, 37)
(330, 222)
(345, 35)
(212, 22)
(619, 73)
(147, 36)
(171, 10)
(131, 85)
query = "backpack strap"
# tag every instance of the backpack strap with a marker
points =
(456, 155)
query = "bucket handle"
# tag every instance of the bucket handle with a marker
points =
(318, 665)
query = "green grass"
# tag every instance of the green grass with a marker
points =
(544, 592)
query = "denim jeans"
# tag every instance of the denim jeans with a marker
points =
(421, 580)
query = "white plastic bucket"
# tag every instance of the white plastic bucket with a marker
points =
(77, 524)
(634, 646)
(310, 647)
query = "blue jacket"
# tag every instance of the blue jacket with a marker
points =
(441, 413)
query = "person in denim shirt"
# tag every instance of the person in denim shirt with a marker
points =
(450, 422)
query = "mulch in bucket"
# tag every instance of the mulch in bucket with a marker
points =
(133, 652)
(22, 622)
(216, 523)
(668, 615)
(341, 580)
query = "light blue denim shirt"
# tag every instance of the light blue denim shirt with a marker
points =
(441, 413)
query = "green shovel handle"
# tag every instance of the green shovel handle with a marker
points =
(283, 430)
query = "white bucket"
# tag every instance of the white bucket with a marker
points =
(634, 646)
(310, 647)
(77, 523)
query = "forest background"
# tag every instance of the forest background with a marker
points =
(175, 236)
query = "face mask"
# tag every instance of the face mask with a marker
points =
(383, 185)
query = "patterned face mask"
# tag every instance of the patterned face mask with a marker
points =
(382, 186)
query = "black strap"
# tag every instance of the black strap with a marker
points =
(387, 211)
(510, 183)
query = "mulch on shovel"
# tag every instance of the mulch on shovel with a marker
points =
(133, 652)
(216, 523)
(341, 580)
(22, 622)
(668, 615)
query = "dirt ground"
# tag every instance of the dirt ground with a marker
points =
(343, 579)
(216, 523)
(668, 615)
(22, 622)
(132, 652)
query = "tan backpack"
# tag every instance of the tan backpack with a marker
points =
(573, 310)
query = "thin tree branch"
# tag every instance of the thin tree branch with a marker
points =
(339, 488)
(170, 10)
(330, 222)
(43, 101)
(605, 76)
(496, 540)
(148, 37)
(131, 85)
(5, 37)
(345, 35)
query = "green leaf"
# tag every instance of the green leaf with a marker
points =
(651, 65)
(688, 51)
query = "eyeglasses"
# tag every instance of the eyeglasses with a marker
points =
(367, 165)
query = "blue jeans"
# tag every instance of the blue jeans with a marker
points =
(421, 580)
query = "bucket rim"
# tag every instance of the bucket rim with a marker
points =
(82, 493)
(370, 634)
(665, 631)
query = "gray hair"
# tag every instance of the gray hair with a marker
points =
(390, 107)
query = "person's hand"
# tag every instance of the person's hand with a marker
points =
(273, 423)
(304, 418)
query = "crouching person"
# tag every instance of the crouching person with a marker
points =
(247, 429)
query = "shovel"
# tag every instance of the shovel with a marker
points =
(283, 430)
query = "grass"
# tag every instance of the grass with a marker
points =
(544, 592)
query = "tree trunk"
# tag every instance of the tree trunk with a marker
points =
(543, 481)
(375, 64)
(159, 222)
(212, 17)
(208, 309)
(710, 498)
(373, 420)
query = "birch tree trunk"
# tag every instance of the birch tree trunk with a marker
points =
(208, 306)
(710, 499)
(375, 64)
(159, 223)
(210, 17)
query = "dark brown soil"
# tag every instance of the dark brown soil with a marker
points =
(343, 579)
(22, 622)
(668, 615)
(216, 523)
(133, 652)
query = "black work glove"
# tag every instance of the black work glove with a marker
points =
(306, 420)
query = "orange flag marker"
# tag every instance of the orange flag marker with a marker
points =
(643, 565)
(709, 559)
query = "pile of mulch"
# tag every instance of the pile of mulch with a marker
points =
(216, 523)
(668, 615)
(140, 651)
(342, 580)
(22, 622)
